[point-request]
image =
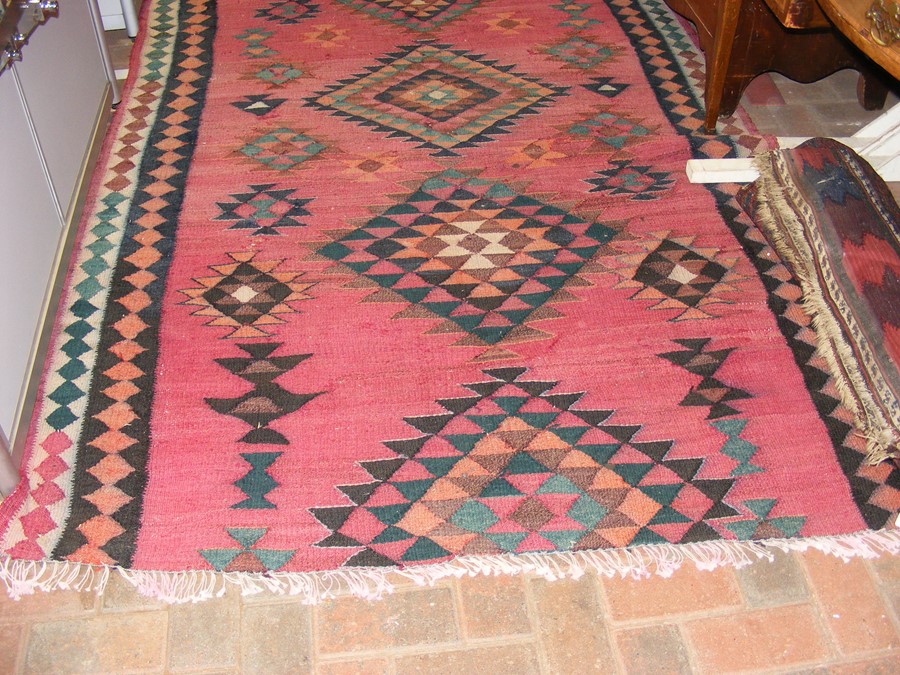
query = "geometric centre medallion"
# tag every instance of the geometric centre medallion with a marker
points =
(475, 253)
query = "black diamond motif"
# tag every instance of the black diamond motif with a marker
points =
(258, 104)
(680, 273)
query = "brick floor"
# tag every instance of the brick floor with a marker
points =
(801, 613)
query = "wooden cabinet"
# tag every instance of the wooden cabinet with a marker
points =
(54, 103)
(745, 38)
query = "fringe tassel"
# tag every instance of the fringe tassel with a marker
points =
(25, 577)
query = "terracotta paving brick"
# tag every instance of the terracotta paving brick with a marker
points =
(110, 643)
(853, 610)
(407, 617)
(651, 650)
(120, 596)
(572, 625)
(276, 638)
(779, 582)
(358, 667)
(763, 638)
(687, 590)
(519, 659)
(56, 604)
(493, 606)
(200, 634)
(10, 646)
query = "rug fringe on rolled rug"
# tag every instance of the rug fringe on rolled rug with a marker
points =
(833, 219)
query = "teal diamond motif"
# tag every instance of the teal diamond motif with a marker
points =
(281, 149)
(580, 53)
(278, 75)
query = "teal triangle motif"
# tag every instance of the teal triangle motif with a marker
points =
(439, 466)
(499, 487)
(413, 295)
(662, 494)
(535, 299)
(414, 489)
(732, 427)
(539, 420)
(389, 515)
(601, 453)
(510, 404)
(571, 435)
(442, 309)
(474, 516)
(516, 316)
(273, 560)
(220, 558)
(468, 323)
(500, 191)
(744, 529)
(488, 423)
(424, 549)
(587, 512)
(437, 183)
(246, 536)
(523, 463)
(667, 515)
(558, 485)
(463, 442)
(391, 534)
(563, 540)
(789, 525)
(632, 473)
(760, 508)
(508, 541)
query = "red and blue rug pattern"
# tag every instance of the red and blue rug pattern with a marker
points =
(399, 285)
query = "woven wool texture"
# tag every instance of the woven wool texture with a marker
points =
(373, 285)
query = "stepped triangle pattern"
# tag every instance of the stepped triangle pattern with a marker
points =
(515, 468)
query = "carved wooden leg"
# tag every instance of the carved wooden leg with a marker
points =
(719, 59)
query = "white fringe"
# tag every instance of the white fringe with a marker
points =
(24, 577)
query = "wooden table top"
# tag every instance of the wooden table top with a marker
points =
(849, 17)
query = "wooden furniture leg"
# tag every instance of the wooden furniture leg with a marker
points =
(743, 39)
(719, 58)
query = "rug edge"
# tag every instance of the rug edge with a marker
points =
(26, 577)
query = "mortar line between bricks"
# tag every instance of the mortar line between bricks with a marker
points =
(684, 617)
(816, 605)
(168, 641)
(460, 612)
(881, 591)
(534, 619)
(610, 629)
(600, 592)
(422, 649)
(792, 669)
(692, 656)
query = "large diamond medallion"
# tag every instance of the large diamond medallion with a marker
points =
(443, 98)
(475, 253)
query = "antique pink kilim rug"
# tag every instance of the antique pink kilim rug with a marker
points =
(374, 287)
